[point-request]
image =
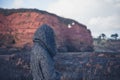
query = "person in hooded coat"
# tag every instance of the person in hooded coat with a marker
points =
(43, 51)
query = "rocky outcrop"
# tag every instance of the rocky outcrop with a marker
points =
(20, 25)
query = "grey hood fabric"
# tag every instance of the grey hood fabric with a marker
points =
(46, 41)
(43, 51)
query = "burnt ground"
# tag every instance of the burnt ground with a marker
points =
(89, 66)
(14, 65)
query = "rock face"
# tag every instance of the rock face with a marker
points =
(20, 25)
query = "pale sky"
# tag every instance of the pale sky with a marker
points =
(100, 16)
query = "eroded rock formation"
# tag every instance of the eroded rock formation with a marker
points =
(22, 23)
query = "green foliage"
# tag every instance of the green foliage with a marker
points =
(103, 36)
(6, 39)
(114, 36)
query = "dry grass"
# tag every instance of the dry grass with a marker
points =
(72, 66)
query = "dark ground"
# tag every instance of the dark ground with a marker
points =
(14, 65)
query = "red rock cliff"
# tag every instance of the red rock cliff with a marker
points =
(17, 27)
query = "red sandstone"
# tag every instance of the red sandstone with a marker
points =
(22, 25)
